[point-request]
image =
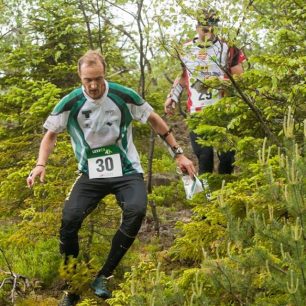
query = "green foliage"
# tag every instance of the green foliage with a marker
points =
(77, 273)
(37, 301)
(88, 302)
(256, 102)
(146, 285)
(246, 245)
(168, 196)
(253, 228)
(26, 104)
(264, 224)
(38, 262)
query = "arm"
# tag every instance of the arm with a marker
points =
(46, 147)
(173, 97)
(237, 69)
(160, 127)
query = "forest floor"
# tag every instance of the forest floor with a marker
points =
(148, 235)
(167, 232)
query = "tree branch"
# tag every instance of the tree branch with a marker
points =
(86, 19)
(253, 108)
(120, 8)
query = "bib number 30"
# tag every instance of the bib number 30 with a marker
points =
(105, 166)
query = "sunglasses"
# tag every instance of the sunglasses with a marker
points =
(205, 29)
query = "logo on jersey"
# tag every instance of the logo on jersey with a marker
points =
(87, 121)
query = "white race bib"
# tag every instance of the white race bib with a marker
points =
(201, 96)
(104, 162)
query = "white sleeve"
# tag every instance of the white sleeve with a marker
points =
(141, 112)
(57, 123)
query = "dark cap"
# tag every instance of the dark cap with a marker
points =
(207, 17)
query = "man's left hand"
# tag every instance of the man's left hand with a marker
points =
(185, 164)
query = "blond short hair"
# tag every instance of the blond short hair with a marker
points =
(91, 58)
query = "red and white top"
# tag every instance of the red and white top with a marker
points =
(201, 62)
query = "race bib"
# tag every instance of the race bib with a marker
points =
(201, 96)
(104, 162)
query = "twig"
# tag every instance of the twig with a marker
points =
(7, 263)
(13, 279)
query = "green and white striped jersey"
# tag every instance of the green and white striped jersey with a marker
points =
(97, 123)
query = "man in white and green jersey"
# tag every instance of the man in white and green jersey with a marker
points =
(103, 122)
(98, 117)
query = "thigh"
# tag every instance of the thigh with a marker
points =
(131, 193)
(228, 156)
(227, 160)
(198, 149)
(194, 144)
(84, 196)
(132, 197)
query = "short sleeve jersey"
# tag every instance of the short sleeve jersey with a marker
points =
(196, 70)
(97, 123)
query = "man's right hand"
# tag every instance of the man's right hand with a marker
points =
(37, 171)
(169, 106)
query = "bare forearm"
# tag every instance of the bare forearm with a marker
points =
(46, 147)
(177, 88)
(161, 128)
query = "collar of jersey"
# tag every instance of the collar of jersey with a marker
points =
(97, 101)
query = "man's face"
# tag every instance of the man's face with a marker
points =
(204, 32)
(92, 78)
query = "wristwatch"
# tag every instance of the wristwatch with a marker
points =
(177, 150)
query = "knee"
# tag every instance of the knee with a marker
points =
(140, 211)
(71, 222)
(132, 220)
(135, 215)
(72, 215)
(206, 153)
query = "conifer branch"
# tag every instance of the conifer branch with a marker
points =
(230, 285)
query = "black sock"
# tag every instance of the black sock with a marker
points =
(120, 244)
(69, 249)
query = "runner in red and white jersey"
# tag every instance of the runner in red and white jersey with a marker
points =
(201, 62)
(204, 57)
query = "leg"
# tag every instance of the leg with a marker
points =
(132, 197)
(205, 155)
(83, 198)
(226, 162)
